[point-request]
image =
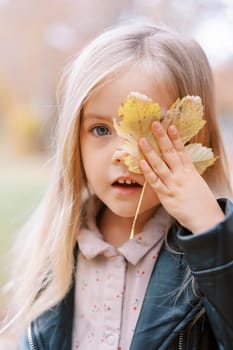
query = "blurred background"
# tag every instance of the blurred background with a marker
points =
(38, 38)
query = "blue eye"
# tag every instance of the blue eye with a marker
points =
(101, 130)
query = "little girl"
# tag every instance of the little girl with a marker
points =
(80, 282)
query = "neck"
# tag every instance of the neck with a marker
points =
(116, 229)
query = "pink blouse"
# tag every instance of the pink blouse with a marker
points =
(111, 285)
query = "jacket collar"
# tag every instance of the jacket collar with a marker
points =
(166, 309)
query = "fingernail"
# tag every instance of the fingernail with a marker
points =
(156, 126)
(172, 129)
(144, 142)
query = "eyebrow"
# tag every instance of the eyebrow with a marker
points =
(94, 116)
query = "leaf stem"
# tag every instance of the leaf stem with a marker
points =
(137, 211)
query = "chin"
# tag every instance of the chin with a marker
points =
(124, 213)
(130, 212)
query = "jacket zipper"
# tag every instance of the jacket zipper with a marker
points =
(30, 340)
(181, 340)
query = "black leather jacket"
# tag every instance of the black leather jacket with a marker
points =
(166, 318)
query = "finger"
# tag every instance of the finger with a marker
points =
(151, 178)
(178, 145)
(175, 139)
(166, 145)
(155, 162)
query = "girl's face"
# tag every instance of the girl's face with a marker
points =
(101, 152)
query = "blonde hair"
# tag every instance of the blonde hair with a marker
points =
(45, 263)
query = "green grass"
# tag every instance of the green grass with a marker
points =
(17, 201)
(22, 184)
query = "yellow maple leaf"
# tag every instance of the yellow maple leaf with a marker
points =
(138, 112)
(187, 115)
(136, 115)
(202, 157)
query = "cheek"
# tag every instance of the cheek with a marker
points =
(92, 166)
(87, 152)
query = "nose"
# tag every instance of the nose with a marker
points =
(118, 155)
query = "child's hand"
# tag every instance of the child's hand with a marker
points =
(180, 188)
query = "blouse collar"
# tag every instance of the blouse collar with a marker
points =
(92, 244)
